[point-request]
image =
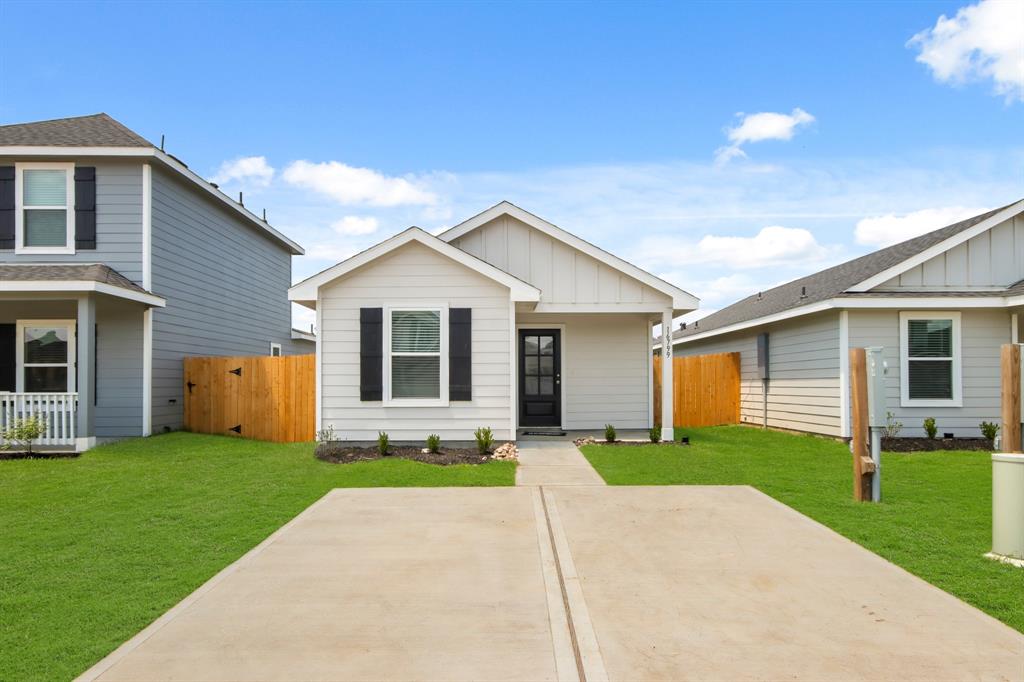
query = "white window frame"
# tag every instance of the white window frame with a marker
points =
(19, 205)
(905, 400)
(71, 364)
(275, 347)
(442, 401)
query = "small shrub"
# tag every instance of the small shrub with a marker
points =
(484, 439)
(23, 432)
(433, 443)
(383, 443)
(609, 433)
(930, 429)
(892, 427)
(325, 435)
(655, 434)
(989, 430)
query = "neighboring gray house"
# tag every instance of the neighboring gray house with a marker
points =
(116, 261)
(940, 304)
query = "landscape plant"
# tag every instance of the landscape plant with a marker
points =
(484, 439)
(609, 433)
(930, 429)
(892, 426)
(325, 435)
(383, 443)
(24, 432)
(433, 443)
(655, 434)
(989, 430)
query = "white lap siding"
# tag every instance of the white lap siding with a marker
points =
(982, 333)
(417, 276)
(606, 362)
(803, 391)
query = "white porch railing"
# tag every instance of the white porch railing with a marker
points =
(57, 410)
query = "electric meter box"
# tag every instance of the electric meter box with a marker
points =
(877, 369)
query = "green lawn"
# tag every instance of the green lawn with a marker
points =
(935, 519)
(93, 549)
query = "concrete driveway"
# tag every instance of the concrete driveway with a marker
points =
(564, 583)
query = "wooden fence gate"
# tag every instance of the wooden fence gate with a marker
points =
(705, 390)
(263, 397)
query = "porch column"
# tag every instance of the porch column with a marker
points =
(86, 380)
(666, 376)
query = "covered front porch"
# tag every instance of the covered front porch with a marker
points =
(73, 356)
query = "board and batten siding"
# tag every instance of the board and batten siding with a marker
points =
(994, 258)
(804, 385)
(415, 275)
(226, 289)
(982, 334)
(562, 273)
(118, 221)
(606, 368)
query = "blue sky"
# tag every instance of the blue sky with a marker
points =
(726, 146)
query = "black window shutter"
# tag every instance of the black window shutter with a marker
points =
(7, 208)
(85, 207)
(371, 354)
(8, 366)
(460, 354)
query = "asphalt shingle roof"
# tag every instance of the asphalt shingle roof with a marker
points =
(828, 283)
(85, 272)
(97, 130)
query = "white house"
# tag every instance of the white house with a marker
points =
(504, 321)
(940, 305)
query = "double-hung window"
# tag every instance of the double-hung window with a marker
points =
(45, 208)
(46, 356)
(930, 352)
(417, 351)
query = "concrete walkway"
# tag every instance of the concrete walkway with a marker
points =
(553, 461)
(567, 583)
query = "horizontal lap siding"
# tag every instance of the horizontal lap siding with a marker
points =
(226, 288)
(982, 331)
(118, 221)
(803, 393)
(607, 368)
(415, 275)
(119, 369)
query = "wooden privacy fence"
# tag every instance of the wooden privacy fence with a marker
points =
(705, 390)
(263, 397)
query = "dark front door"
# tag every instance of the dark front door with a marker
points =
(540, 379)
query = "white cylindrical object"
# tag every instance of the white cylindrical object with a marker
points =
(1008, 505)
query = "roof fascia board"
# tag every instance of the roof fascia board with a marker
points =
(681, 300)
(81, 286)
(767, 319)
(941, 247)
(307, 289)
(168, 161)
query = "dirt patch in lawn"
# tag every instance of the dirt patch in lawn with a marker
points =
(931, 444)
(341, 453)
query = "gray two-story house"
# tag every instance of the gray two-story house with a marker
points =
(116, 262)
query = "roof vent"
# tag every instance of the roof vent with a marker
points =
(240, 202)
(214, 185)
(759, 295)
(696, 324)
(682, 325)
(803, 292)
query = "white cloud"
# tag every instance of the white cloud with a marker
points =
(772, 246)
(766, 125)
(252, 170)
(982, 42)
(358, 186)
(889, 229)
(353, 225)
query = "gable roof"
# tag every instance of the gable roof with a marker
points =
(681, 300)
(100, 135)
(97, 130)
(73, 277)
(846, 277)
(305, 292)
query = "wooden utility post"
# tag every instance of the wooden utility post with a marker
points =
(1010, 373)
(863, 466)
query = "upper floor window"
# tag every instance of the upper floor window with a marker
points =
(45, 219)
(930, 354)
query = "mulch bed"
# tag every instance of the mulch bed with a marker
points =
(587, 441)
(930, 444)
(342, 453)
(44, 454)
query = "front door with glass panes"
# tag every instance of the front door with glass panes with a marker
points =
(46, 356)
(540, 377)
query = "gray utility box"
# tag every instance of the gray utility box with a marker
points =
(1008, 505)
(877, 369)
